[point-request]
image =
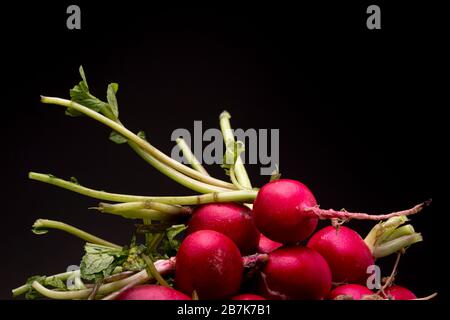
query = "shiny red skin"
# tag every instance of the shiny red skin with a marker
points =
(295, 273)
(209, 263)
(247, 296)
(399, 293)
(345, 251)
(266, 245)
(278, 214)
(152, 292)
(357, 291)
(232, 219)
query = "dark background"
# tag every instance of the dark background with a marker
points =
(356, 108)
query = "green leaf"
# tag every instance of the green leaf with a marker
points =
(52, 282)
(83, 76)
(134, 261)
(120, 139)
(99, 261)
(172, 234)
(141, 134)
(171, 242)
(117, 138)
(55, 283)
(112, 100)
(80, 94)
(74, 180)
(94, 264)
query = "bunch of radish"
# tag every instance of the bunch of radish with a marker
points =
(231, 241)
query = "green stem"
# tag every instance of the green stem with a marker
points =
(61, 276)
(400, 232)
(234, 179)
(164, 208)
(144, 214)
(175, 175)
(151, 270)
(43, 224)
(228, 137)
(390, 247)
(143, 144)
(190, 157)
(162, 266)
(148, 221)
(246, 196)
(382, 229)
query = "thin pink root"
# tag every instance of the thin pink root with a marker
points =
(332, 214)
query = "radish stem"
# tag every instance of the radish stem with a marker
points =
(145, 214)
(143, 144)
(330, 213)
(162, 266)
(151, 270)
(61, 276)
(382, 229)
(190, 157)
(228, 137)
(395, 245)
(228, 196)
(168, 209)
(400, 232)
(51, 224)
(175, 175)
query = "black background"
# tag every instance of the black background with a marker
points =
(356, 108)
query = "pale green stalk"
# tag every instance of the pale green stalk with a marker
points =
(190, 157)
(43, 224)
(247, 196)
(141, 143)
(228, 137)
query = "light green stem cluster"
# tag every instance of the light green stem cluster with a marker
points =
(238, 166)
(388, 237)
(141, 143)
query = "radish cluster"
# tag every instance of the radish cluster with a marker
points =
(209, 261)
(240, 242)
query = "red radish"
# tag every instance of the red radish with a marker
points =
(247, 296)
(266, 245)
(232, 219)
(286, 211)
(345, 251)
(209, 263)
(276, 211)
(295, 273)
(355, 291)
(399, 293)
(152, 292)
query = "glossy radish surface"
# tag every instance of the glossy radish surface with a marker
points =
(209, 263)
(278, 211)
(247, 296)
(152, 292)
(345, 251)
(232, 219)
(355, 291)
(399, 293)
(266, 245)
(286, 211)
(295, 273)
